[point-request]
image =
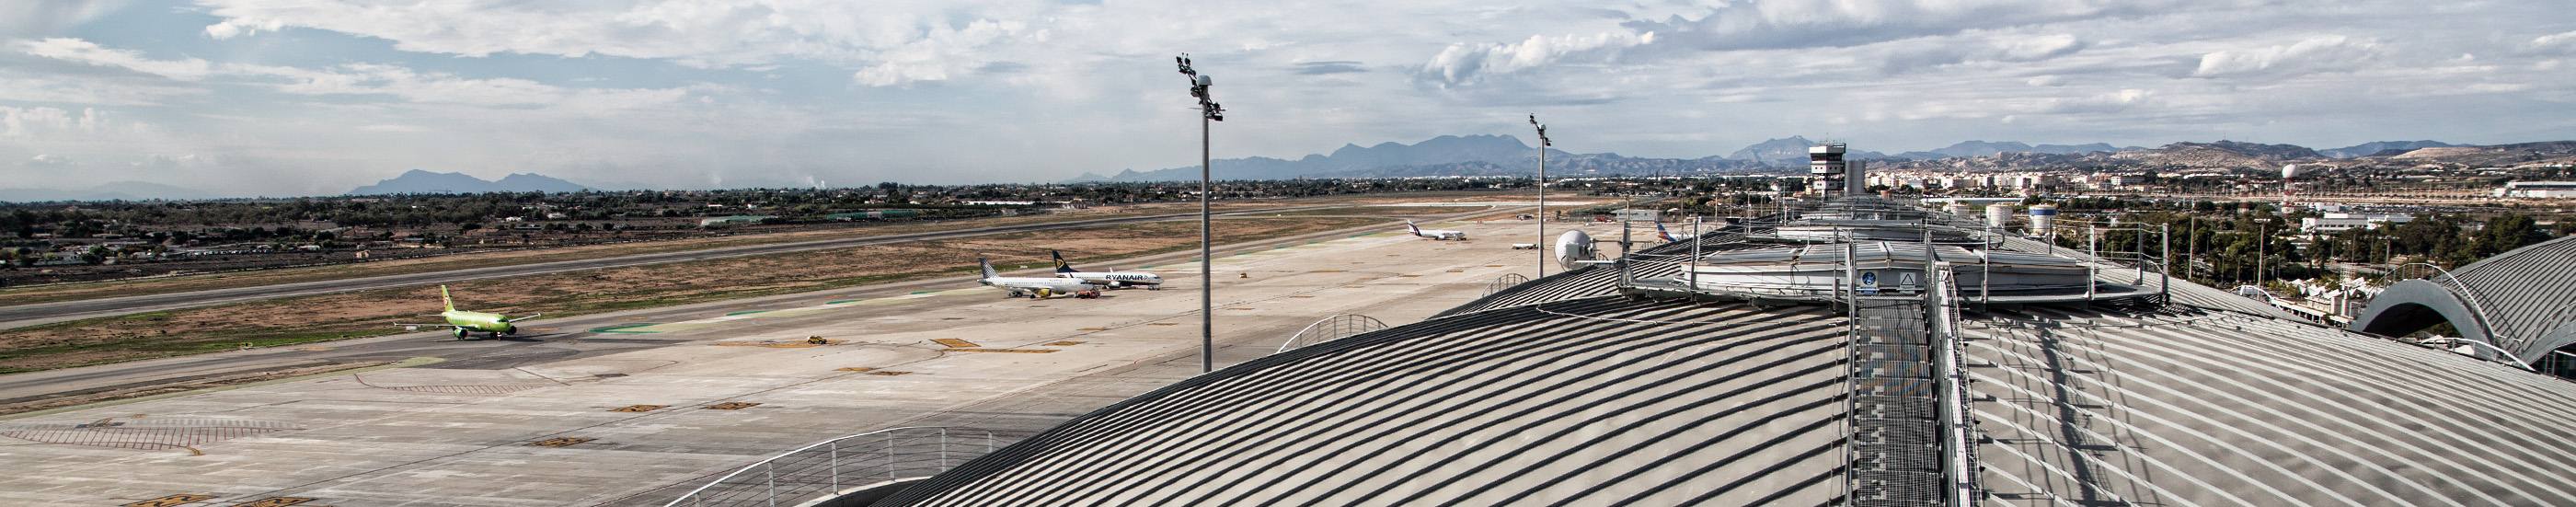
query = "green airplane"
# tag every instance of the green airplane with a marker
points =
(492, 324)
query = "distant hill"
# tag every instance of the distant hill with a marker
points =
(2219, 154)
(113, 191)
(1988, 149)
(2501, 155)
(2378, 147)
(424, 182)
(1491, 149)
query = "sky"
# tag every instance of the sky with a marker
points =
(294, 97)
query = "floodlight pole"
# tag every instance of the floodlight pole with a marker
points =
(1209, 113)
(1542, 193)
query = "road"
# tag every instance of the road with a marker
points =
(135, 374)
(17, 316)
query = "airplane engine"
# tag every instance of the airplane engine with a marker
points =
(1043, 294)
(509, 329)
(460, 333)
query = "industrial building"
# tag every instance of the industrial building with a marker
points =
(2011, 372)
(2538, 190)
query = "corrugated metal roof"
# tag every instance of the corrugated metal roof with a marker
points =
(2212, 408)
(1603, 401)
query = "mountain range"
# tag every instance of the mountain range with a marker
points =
(424, 182)
(114, 191)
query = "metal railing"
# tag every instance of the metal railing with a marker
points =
(1501, 283)
(1958, 438)
(2477, 309)
(827, 468)
(1331, 328)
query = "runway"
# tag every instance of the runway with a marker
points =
(458, 432)
(17, 316)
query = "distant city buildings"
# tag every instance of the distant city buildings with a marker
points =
(2339, 222)
(2538, 190)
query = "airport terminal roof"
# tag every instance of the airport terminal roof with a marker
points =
(2523, 301)
(1564, 391)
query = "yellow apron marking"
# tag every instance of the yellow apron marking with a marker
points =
(1066, 343)
(732, 405)
(956, 343)
(638, 408)
(551, 442)
(857, 369)
(172, 500)
(1022, 351)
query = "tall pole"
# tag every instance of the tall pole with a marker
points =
(1209, 113)
(1543, 143)
(1207, 236)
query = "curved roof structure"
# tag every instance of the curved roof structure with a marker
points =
(1566, 391)
(2521, 301)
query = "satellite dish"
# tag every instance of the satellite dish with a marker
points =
(1573, 248)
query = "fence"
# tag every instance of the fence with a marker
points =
(826, 468)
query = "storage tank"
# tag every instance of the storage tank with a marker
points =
(2043, 218)
(1999, 215)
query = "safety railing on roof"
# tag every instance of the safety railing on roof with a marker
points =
(2461, 288)
(1503, 282)
(1331, 328)
(1958, 437)
(841, 465)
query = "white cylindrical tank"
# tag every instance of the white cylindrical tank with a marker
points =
(2043, 218)
(2289, 171)
(1955, 208)
(1999, 215)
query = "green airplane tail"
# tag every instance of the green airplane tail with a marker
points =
(442, 297)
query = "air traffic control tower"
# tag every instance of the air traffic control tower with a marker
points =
(1829, 175)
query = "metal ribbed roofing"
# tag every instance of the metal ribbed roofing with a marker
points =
(2212, 408)
(2520, 300)
(1551, 394)
(1604, 401)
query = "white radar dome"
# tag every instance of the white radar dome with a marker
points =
(1574, 247)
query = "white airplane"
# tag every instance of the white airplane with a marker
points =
(1111, 279)
(1435, 234)
(1669, 236)
(1032, 287)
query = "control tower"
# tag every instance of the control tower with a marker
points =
(1830, 175)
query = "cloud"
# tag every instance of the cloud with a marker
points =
(2323, 53)
(82, 51)
(354, 79)
(1907, 56)
(1466, 63)
(1778, 24)
(46, 121)
(31, 18)
(46, 161)
(1327, 67)
(2556, 43)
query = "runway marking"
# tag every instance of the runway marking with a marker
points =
(551, 442)
(623, 328)
(732, 405)
(172, 500)
(746, 312)
(638, 408)
(1408, 276)
(1021, 351)
(846, 301)
(279, 501)
(1092, 329)
(956, 343)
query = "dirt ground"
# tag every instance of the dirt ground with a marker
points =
(369, 313)
(75, 291)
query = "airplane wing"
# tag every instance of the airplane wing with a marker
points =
(516, 319)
